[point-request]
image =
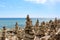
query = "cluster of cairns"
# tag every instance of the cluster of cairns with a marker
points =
(30, 31)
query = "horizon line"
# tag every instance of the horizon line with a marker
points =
(30, 17)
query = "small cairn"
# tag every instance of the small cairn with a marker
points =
(16, 28)
(40, 32)
(3, 33)
(36, 28)
(17, 32)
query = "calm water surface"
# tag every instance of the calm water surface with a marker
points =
(10, 22)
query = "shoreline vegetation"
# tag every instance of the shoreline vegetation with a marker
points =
(45, 31)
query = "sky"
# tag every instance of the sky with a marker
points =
(33, 8)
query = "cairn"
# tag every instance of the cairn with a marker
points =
(4, 34)
(16, 28)
(36, 28)
(50, 23)
(29, 35)
(40, 32)
(17, 32)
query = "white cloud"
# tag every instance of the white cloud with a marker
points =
(37, 1)
(43, 1)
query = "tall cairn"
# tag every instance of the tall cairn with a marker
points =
(29, 35)
(4, 34)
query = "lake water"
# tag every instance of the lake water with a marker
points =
(10, 22)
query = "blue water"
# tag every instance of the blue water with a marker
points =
(10, 22)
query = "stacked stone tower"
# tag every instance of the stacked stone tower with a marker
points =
(36, 28)
(16, 28)
(29, 35)
(4, 33)
(40, 32)
(37, 23)
(17, 32)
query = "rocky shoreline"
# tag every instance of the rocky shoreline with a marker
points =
(44, 31)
